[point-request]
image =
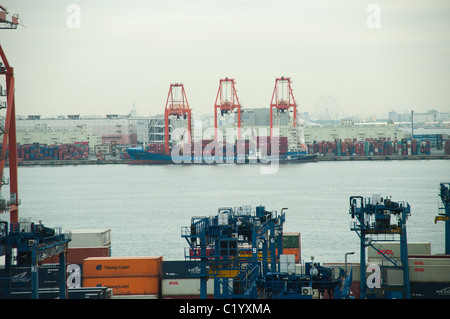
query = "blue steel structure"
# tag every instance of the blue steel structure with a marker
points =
(219, 243)
(31, 247)
(241, 251)
(374, 225)
(445, 215)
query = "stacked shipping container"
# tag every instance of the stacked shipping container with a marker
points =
(179, 280)
(239, 147)
(84, 243)
(36, 151)
(373, 147)
(291, 245)
(124, 275)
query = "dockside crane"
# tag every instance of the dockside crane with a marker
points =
(444, 193)
(227, 102)
(32, 242)
(8, 129)
(282, 100)
(375, 226)
(176, 106)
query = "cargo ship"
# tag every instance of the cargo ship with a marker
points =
(212, 152)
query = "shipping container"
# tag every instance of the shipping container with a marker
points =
(429, 273)
(122, 266)
(291, 240)
(126, 285)
(185, 288)
(76, 255)
(293, 251)
(287, 263)
(429, 260)
(90, 238)
(392, 250)
(48, 277)
(173, 269)
(180, 280)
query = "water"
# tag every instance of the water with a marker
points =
(146, 206)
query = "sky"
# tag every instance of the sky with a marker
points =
(105, 56)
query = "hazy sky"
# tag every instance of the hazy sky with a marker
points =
(125, 52)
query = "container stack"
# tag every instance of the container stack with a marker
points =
(291, 245)
(37, 152)
(124, 275)
(371, 147)
(282, 145)
(429, 276)
(179, 280)
(155, 148)
(86, 243)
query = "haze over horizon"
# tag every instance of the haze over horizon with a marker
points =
(101, 57)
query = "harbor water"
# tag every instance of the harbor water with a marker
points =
(146, 206)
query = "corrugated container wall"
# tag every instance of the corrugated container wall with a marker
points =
(392, 250)
(180, 280)
(90, 238)
(125, 275)
(122, 267)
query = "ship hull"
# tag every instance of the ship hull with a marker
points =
(139, 156)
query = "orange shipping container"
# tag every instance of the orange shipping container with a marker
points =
(96, 267)
(127, 285)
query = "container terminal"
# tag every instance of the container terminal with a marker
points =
(236, 253)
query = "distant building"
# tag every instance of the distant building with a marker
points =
(43, 134)
(350, 130)
(113, 128)
(417, 117)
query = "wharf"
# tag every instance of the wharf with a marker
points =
(71, 162)
(382, 157)
(319, 158)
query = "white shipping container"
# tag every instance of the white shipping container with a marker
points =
(392, 250)
(420, 261)
(90, 238)
(184, 287)
(287, 263)
(429, 273)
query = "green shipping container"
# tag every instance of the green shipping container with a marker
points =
(291, 240)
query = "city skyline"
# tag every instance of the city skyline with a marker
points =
(103, 57)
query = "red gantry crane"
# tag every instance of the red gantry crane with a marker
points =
(176, 105)
(8, 129)
(282, 99)
(227, 101)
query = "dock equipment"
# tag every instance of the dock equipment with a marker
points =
(375, 224)
(242, 251)
(24, 247)
(227, 102)
(282, 100)
(176, 105)
(9, 145)
(444, 215)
